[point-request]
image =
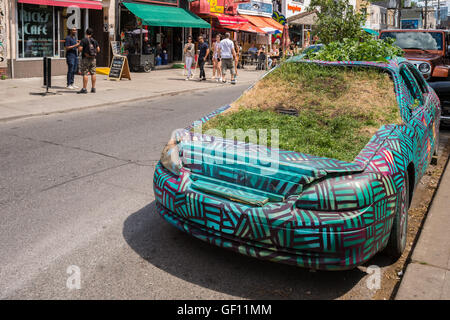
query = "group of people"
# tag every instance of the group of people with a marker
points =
(88, 48)
(225, 56)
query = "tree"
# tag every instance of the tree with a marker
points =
(337, 20)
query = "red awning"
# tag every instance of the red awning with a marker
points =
(226, 20)
(264, 22)
(86, 4)
(246, 27)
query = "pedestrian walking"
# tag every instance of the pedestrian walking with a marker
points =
(202, 56)
(71, 44)
(216, 60)
(227, 54)
(89, 49)
(189, 53)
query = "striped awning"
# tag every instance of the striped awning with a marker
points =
(86, 4)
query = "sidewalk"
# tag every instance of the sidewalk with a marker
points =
(22, 97)
(427, 276)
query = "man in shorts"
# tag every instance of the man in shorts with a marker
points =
(227, 55)
(89, 49)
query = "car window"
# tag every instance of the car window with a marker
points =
(419, 78)
(412, 85)
(423, 40)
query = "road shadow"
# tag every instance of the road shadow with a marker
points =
(221, 270)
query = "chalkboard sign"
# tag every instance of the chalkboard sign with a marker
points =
(119, 68)
(115, 47)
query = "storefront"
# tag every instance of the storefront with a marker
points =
(259, 13)
(220, 14)
(300, 28)
(161, 26)
(38, 29)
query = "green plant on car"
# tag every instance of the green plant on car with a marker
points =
(355, 50)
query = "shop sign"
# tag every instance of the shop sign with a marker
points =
(119, 68)
(293, 7)
(214, 6)
(410, 23)
(35, 31)
(258, 8)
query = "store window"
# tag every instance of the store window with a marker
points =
(41, 30)
(35, 31)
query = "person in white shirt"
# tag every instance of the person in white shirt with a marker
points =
(227, 55)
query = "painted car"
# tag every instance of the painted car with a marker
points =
(312, 212)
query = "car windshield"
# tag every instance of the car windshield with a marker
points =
(416, 40)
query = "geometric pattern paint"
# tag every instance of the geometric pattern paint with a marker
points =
(311, 212)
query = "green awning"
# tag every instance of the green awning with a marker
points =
(153, 15)
(370, 31)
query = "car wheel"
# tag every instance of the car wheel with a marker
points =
(397, 239)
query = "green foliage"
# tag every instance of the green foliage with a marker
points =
(337, 21)
(339, 109)
(354, 50)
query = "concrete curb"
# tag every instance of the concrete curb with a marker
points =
(427, 274)
(171, 93)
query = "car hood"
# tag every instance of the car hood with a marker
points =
(421, 55)
(255, 167)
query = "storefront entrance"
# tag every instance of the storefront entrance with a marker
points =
(156, 29)
(101, 35)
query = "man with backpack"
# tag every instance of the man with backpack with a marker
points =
(89, 49)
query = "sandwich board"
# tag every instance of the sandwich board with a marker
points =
(119, 68)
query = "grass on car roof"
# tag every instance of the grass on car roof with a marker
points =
(339, 108)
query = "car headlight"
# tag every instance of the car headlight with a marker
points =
(170, 157)
(424, 67)
(347, 193)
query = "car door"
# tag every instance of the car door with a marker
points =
(422, 116)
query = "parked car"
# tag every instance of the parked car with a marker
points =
(429, 51)
(442, 89)
(313, 212)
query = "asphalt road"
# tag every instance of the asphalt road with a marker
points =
(76, 190)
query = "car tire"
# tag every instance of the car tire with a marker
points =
(397, 239)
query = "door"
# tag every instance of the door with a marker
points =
(102, 37)
(422, 116)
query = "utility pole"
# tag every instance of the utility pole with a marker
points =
(426, 14)
(399, 13)
(438, 15)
